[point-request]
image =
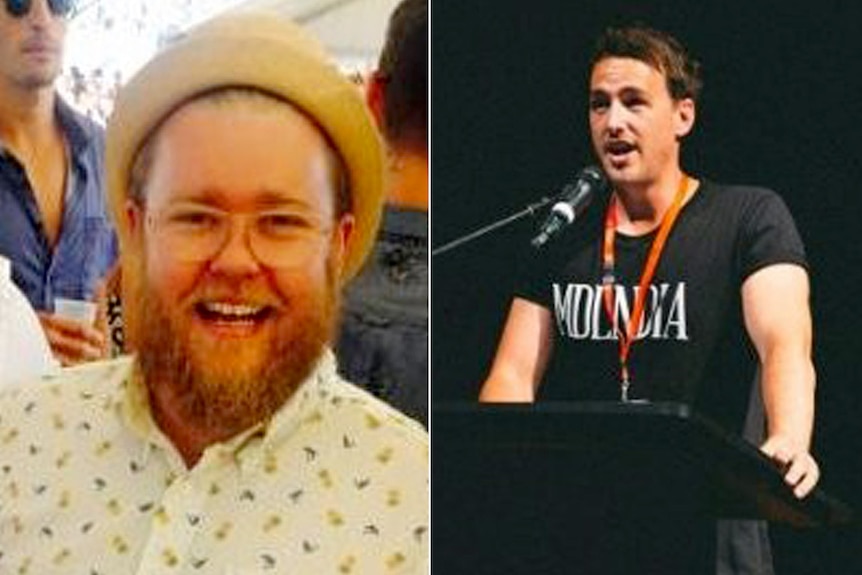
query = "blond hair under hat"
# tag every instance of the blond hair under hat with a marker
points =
(267, 52)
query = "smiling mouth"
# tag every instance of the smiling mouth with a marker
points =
(225, 314)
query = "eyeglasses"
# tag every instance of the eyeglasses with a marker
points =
(20, 8)
(278, 238)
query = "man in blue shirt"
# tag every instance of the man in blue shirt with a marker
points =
(55, 229)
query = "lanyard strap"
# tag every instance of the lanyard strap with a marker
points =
(627, 337)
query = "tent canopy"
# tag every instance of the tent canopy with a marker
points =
(353, 30)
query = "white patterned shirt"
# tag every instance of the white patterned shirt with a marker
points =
(336, 482)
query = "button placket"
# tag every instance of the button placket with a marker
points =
(175, 524)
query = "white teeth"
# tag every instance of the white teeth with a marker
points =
(234, 310)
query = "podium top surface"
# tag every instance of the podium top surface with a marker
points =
(654, 446)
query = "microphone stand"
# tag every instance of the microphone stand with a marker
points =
(530, 210)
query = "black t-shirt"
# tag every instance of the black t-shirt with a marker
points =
(692, 345)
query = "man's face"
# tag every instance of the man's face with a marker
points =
(242, 253)
(634, 122)
(31, 46)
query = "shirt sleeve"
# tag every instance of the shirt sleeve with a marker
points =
(768, 235)
(533, 280)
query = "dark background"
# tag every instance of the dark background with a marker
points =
(781, 107)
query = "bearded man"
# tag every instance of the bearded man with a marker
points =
(246, 180)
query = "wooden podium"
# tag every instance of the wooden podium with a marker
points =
(596, 487)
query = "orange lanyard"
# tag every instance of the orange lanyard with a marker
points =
(608, 278)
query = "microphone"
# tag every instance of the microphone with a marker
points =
(571, 203)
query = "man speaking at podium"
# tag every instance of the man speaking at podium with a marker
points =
(672, 287)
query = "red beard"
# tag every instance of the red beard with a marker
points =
(229, 385)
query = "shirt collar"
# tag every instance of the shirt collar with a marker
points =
(78, 130)
(266, 435)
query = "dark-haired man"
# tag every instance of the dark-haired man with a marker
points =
(55, 229)
(675, 288)
(383, 343)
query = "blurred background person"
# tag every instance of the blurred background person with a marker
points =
(383, 343)
(56, 232)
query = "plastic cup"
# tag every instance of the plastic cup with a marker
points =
(80, 310)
